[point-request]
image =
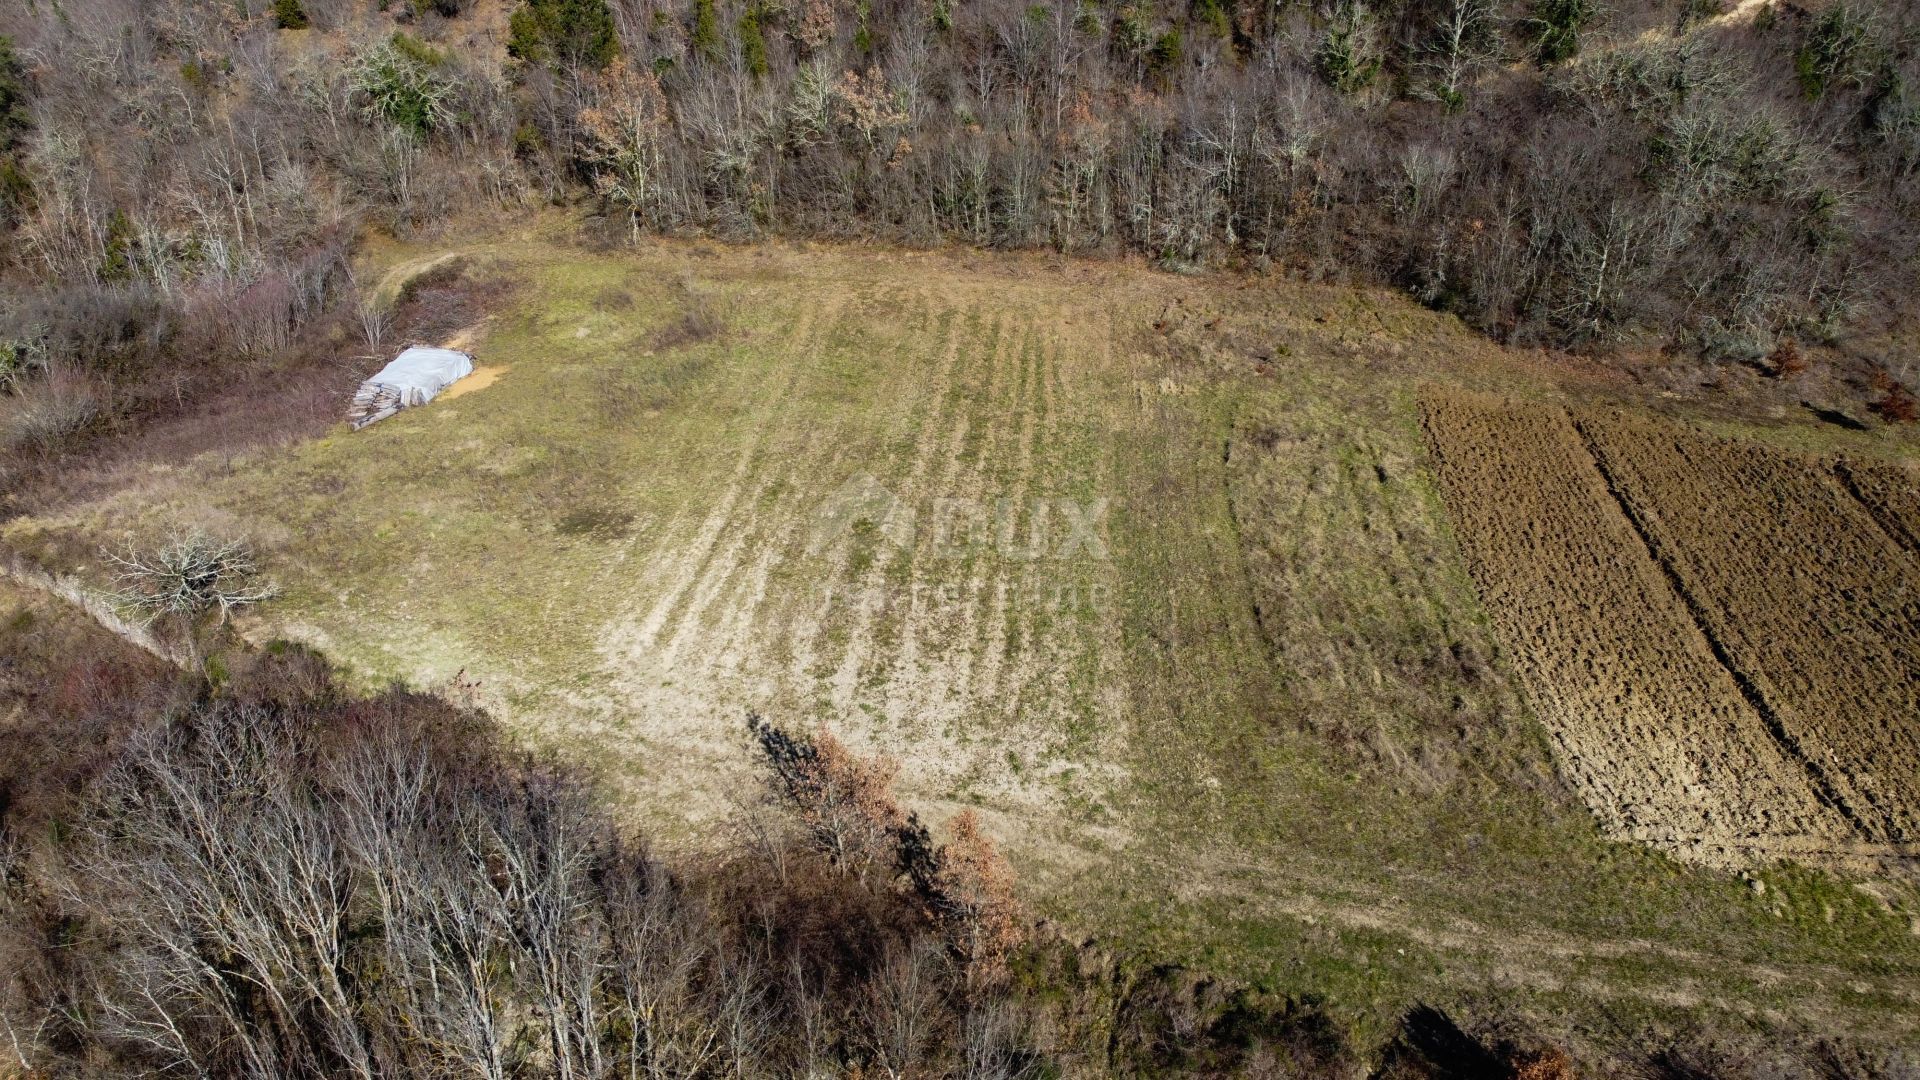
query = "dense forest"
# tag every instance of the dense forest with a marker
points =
(181, 182)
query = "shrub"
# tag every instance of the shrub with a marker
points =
(14, 118)
(20, 357)
(416, 50)
(1556, 26)
(844, 801)
(46, 415)
(701, 318)
(117, 253)
(964, 888)
(1349, 53)
(1896, 405)
(398, 83)
(1168, 50)
(705, 36)
(753, 42)
(118, 332)
(1786, 359)
(16, 191)
(1842, 47)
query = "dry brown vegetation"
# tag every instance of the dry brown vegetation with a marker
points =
(1721, 639)
(275, 880)
(263, 876)
(1553, 171)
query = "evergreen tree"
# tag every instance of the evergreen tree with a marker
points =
(13, 96)
(706, 31)
(116, 262)
(289, 15)
(753, 43)
(563, 33)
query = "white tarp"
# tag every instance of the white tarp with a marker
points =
(419, 374)
(415, 377)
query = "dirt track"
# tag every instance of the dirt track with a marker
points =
(1721, 639)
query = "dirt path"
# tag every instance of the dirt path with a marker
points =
(1549, 961)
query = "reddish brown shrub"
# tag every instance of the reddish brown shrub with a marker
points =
(1897, 406)
(975, 885)
(1786, 359)
(965, 888)
(845, 801)
(1552, 1063)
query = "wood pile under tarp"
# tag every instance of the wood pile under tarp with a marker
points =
(415, 377)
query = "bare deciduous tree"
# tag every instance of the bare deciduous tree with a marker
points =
(189, 576)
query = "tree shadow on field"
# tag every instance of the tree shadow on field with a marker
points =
(1432, 1045)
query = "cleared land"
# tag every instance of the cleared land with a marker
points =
(1721, 639)
(1890, 493)
(1808, 601)
(1651, 728)
(1154, 571)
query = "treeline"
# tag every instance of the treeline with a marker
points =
(180, 181)
(1554, 170)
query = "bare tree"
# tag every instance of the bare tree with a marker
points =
(189, 576)
(1462, 39)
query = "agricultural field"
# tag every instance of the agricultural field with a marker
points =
(1652, 730)
(1808, 601)
(1721, 637)
(1256, 621)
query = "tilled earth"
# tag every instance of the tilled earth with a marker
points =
(1723, 639)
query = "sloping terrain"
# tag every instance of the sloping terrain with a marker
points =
(1154, 571)
(1808, 601)
(1651, 728)
(1719, 637)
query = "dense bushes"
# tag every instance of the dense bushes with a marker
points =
(254, 873)
(1737, 182)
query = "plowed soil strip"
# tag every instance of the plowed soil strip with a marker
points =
(1891, 496)
(1650, 727)
(1807, 597)
(1823, 784)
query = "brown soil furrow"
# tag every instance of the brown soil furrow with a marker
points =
(683, 572)
(1649, 726)
(721, 575)
(947, 622)
(1823, 782)
(786, 542)
(1011, 536)
(1807, 596)
(808, 666)
(1889, 495)
(912, 683)
(860, 664)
